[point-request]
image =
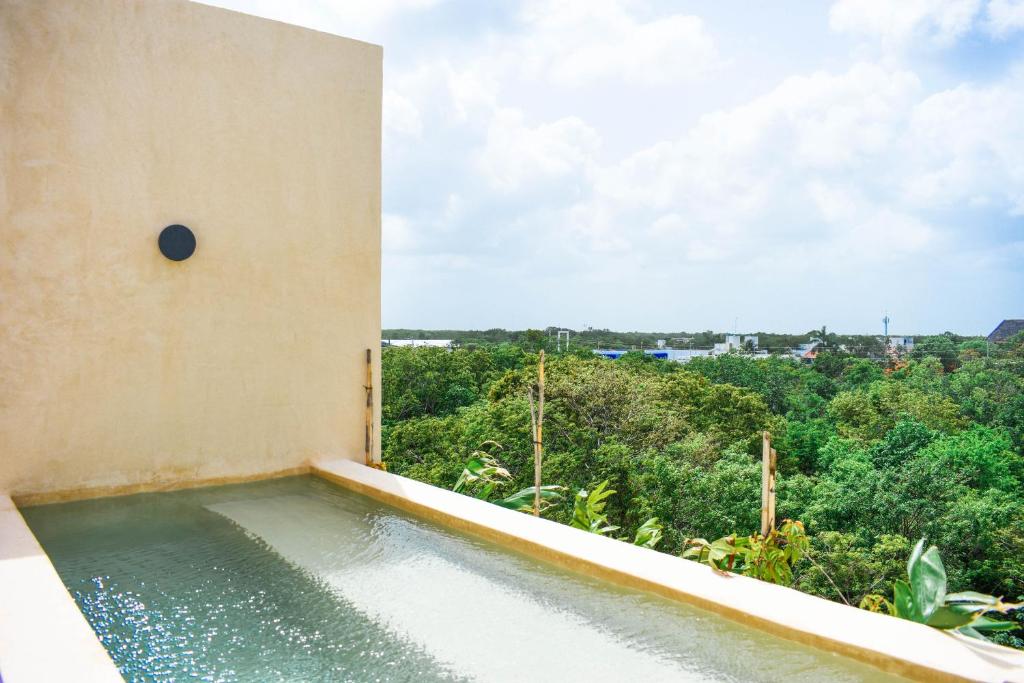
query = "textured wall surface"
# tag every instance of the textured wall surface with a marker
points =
(120, 367)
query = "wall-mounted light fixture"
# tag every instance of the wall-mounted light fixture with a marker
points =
(177, 242)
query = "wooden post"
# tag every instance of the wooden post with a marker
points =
(369, 409)
(538, 440)
(771, 490)
(768, 461)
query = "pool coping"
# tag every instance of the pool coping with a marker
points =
(893, 645)
(43, 634)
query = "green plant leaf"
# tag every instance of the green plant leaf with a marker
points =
(588, 510)
(981, 602)
(915, 557)
(649, 533)
(522, 501)
(992, 625)
(947, 617)
(482, 467)
(927, 581)
(971, 597)
(903, 601)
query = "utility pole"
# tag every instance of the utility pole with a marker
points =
(885, 338)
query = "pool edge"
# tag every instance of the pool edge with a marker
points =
(891, 645)
(110, 491)
(43, 634)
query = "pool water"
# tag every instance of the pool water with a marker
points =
(299, 580)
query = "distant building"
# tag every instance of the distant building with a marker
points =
(907, 343)
(436, 343)
(735, 342)
(806, 352)
(1005, 330)
(679, 355)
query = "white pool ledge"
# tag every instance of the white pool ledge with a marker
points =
(43, 635)
(891, 644)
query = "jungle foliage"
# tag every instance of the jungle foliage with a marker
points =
(873, 455)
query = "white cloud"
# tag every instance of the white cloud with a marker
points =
(360, 20)
(1004, 17)
(734, 165)
(968, 146)
(845, 167)
(898, 22)
(516, 155)
(574, 42)
(826, 175)
(401, 115)
(935, 23)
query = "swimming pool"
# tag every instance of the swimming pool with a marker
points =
(299, 580)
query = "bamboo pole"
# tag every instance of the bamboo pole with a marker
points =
(771, 489)
(766, 456)
(538, 441)
(368, 455)
(533, 438)
(768, 462)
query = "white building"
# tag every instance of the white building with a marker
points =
(436, 343)
(734, 342)
(907, 343)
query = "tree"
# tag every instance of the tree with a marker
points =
(870, 413)
(942, 347)
(847, 567)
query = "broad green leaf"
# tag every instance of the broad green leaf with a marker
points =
(721, 549)
(481, 468)
(903, 600)
(982, 602)
(946, 617)
(523, 500)
(915, 556)
(588, 510)
(696, 549)
(972, 598)
(649, 533)
(928, 582)
(989, 625)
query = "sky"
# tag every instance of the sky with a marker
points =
(679, 165)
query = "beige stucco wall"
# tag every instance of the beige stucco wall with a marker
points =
(120, 367)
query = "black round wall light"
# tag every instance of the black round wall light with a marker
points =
(177, 242)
